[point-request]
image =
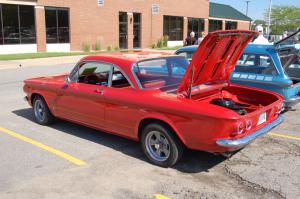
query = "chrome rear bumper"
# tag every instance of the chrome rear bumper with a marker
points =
(242, 142)
(292, 101)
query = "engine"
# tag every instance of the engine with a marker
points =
(230, 104)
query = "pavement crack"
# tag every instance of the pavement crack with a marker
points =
(256, 188)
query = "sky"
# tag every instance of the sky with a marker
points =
(256, 7)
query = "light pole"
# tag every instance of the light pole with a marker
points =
(269, 22)
(247, 2)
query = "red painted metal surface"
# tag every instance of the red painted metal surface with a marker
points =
(197, 122)
(215, 58)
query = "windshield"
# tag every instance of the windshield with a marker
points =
(290, 61)
(288, 55)
(161, 72)
(291, 40)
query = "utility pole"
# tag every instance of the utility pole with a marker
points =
(247, 2)
(269, 22)
(247, 6)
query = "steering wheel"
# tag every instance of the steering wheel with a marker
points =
(91, 79)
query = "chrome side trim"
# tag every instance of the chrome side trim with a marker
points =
(242, 142)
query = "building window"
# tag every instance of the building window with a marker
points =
(195, 25)
(173, 27)
(17, 24)
(136, 30)
(230, 25)
(215, 25)
(57, 25)
(100, 2)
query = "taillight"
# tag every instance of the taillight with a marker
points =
(280, 108)
(240, 128)
(248, 125)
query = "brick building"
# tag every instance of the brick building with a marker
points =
(67, 25)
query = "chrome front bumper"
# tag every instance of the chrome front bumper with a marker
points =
(242, 142)
(291, 101)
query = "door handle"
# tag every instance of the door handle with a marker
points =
(99, 91)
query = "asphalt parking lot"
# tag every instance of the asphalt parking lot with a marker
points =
(66, 160)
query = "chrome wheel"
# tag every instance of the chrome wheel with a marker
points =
(39, 110)
(157, 146)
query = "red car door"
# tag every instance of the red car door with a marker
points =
(121, 115)
(81, 99)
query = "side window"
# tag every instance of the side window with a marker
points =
(178, 68)
(256, 64)
(246, 60)
(96, 73)
(154, 66)
(118, 79)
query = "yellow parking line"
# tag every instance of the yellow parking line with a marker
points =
(159, 196)
(284, 136)
(44, 147)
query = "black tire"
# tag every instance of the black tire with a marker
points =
(175, 146)
(40, 107)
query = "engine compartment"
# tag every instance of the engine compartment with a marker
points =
(239, 99)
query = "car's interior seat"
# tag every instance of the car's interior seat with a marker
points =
(154, 84)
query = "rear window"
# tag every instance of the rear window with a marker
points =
(160, 72)
(256, 64)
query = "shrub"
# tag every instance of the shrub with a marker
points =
(98, 46)
(86, 47)
(159, 43)
(165, 40)
(153, 45)
(109, 48)
(117, 48)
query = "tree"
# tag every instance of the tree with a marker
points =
(284, 18)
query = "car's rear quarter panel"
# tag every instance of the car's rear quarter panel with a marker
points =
(47, 87)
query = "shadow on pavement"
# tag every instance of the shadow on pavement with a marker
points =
(192, 161)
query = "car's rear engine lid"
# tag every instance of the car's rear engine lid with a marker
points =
(215, 59)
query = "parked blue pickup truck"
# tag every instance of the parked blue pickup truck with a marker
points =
(265, 67)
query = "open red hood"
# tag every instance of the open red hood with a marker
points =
(215, 58)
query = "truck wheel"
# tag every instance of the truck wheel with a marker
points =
(42, 114)
(160, 145)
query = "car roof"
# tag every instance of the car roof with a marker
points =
(259, 48)
(125, 57)
(125, 60)
(191, 48)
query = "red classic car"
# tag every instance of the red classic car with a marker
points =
(161, 100)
